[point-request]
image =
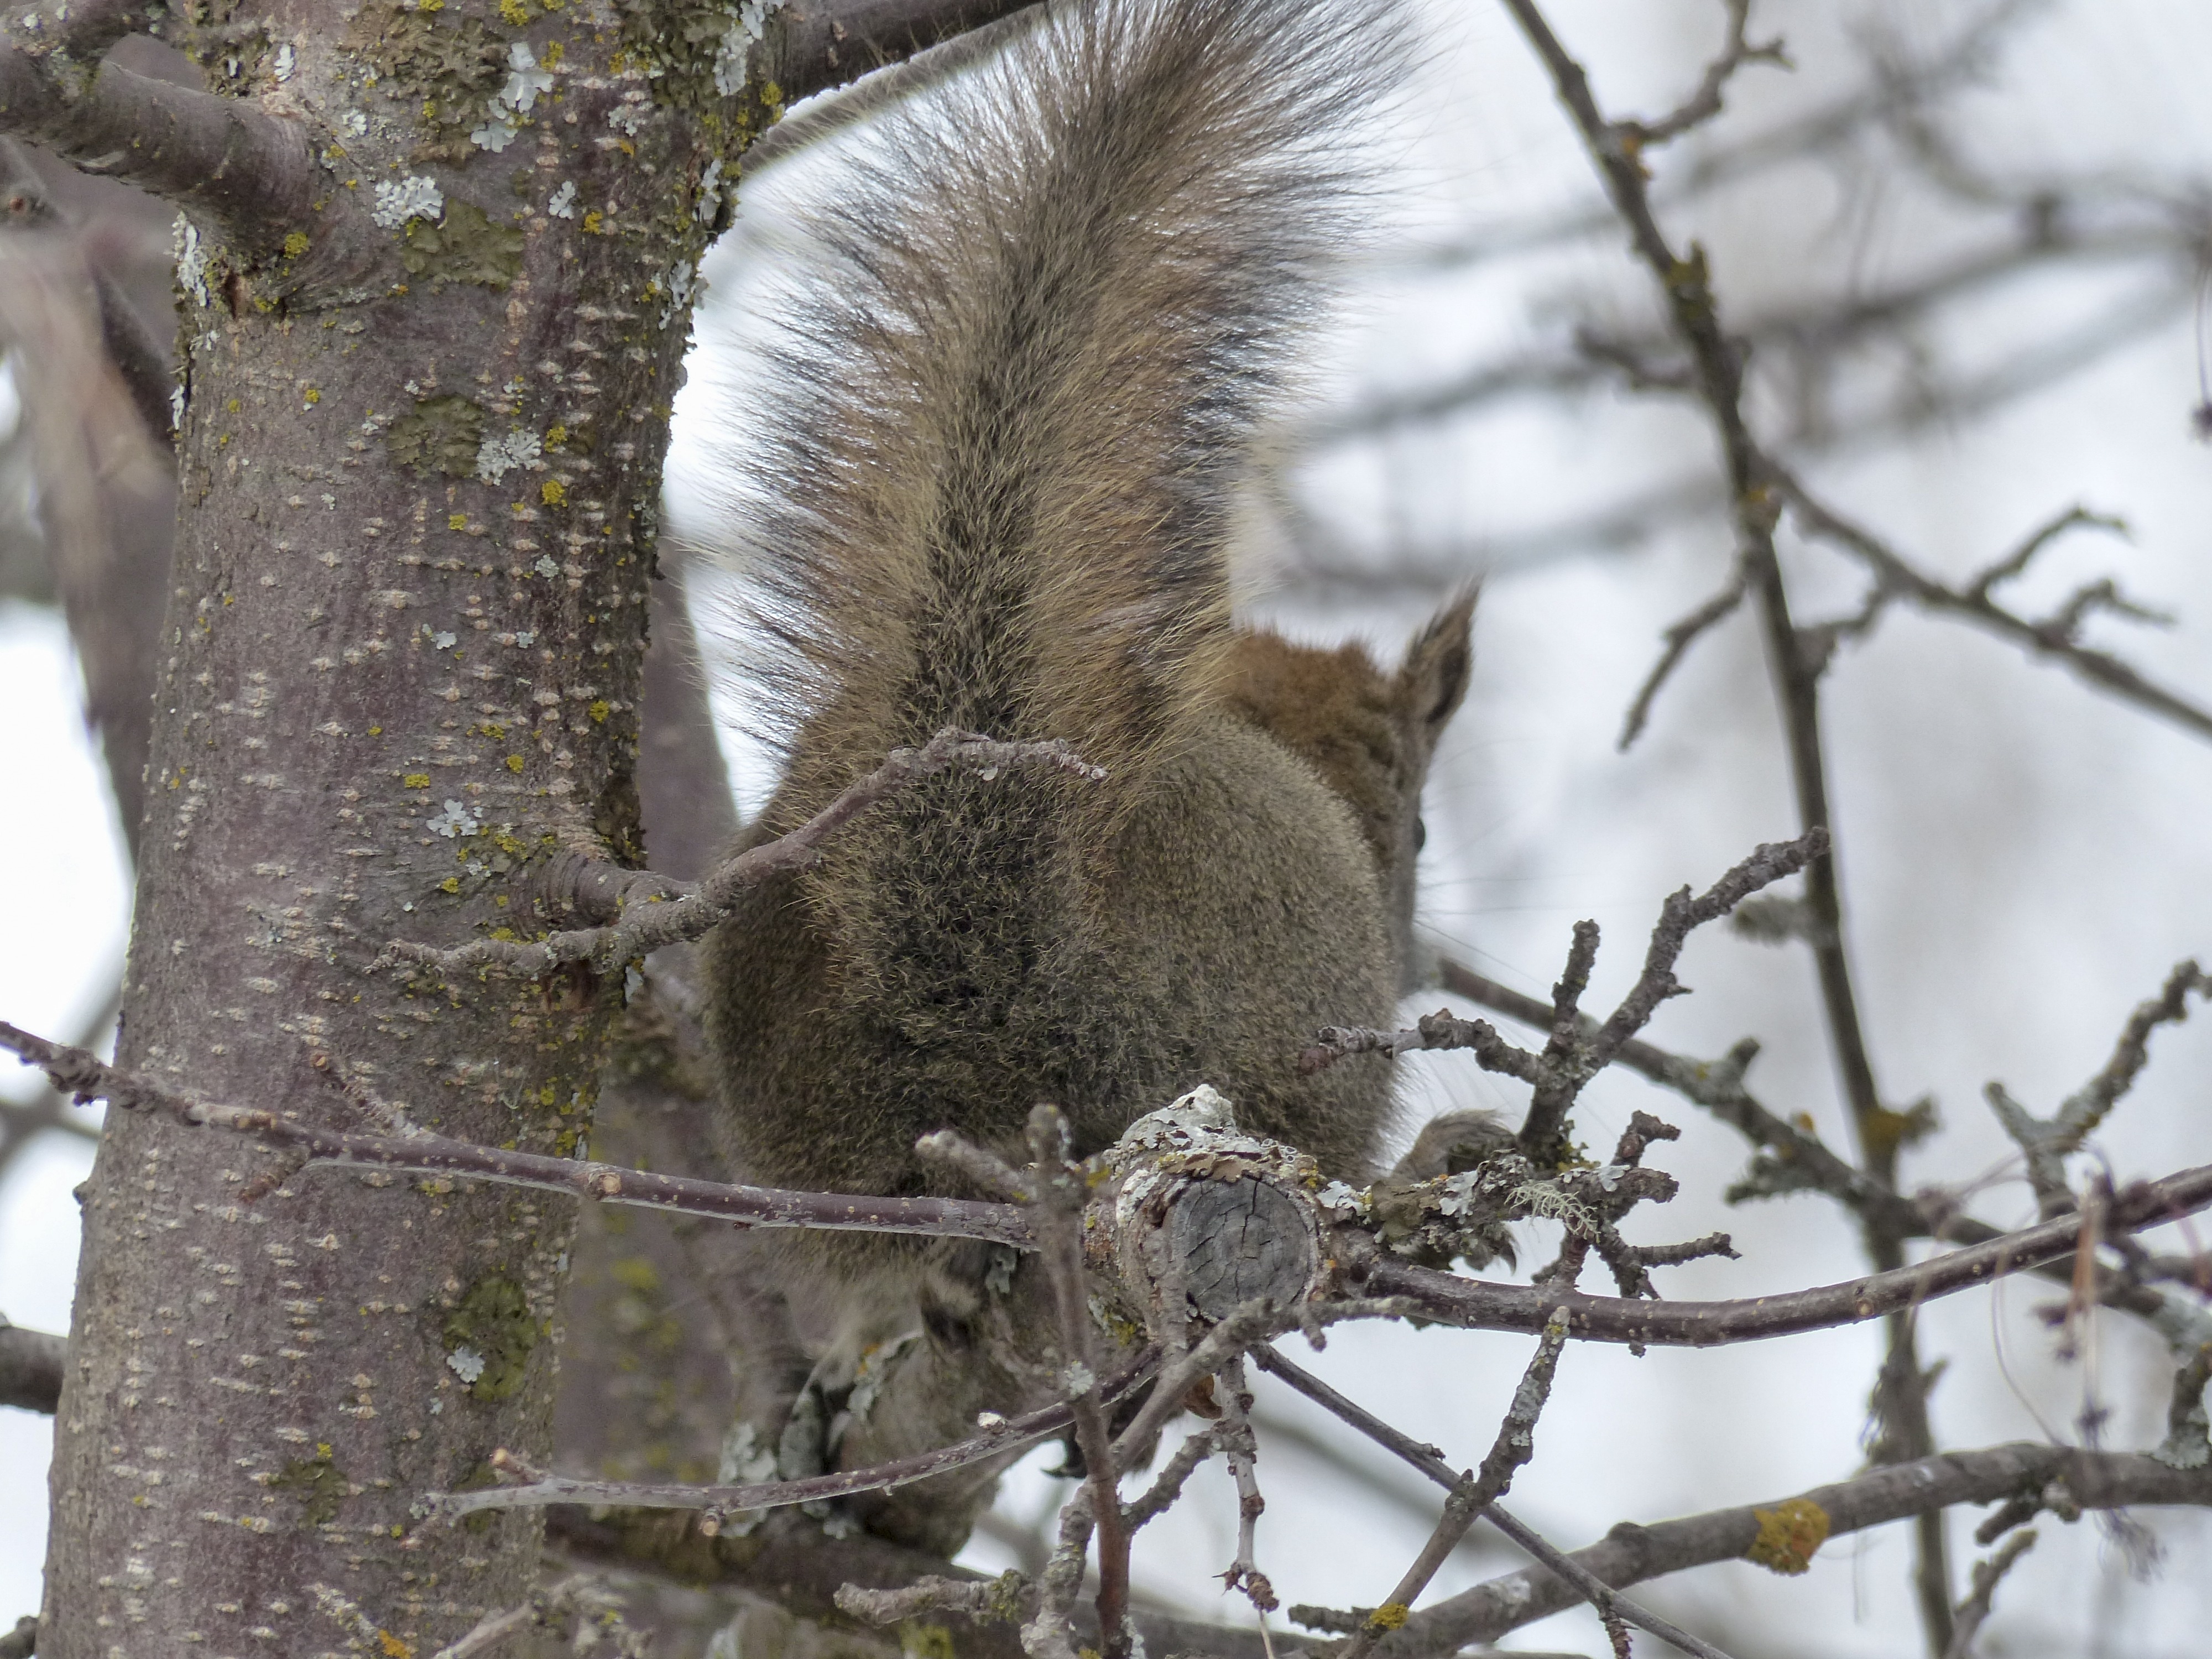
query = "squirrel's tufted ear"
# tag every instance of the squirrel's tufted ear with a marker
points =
(1438, 665)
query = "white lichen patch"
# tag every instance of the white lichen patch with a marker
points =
(736, 45)
(512, 103)
(676, 287)
(283, 63)
(466, 1364)
(191, 260)
(563, 202)
(455, 820)
(498, 456)
(399, 200)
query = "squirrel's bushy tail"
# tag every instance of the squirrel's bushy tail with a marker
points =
(1057, 297)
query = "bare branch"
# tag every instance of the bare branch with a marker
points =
(253, 174)
(1475, 1490)
(1970, 1614)
(1705, 103)
(1630, 1554)
(81, 1074)
(1566, 1570)
(581, 1596)
(1026, 1429)
(1243, 1453)
(1575, 1052)
(2046, 1143)
(2056, 637)
(1680, 637)
(1482, 1305)
(656, 911)
(1694, 311)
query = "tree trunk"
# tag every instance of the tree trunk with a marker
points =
(435, 269)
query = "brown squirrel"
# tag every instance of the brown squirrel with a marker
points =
(1012, 409)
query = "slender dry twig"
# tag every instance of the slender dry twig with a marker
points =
(1574, 1052)
(1680, 637)
(2046, 1143)
(1568, 1572)
(86, 1077)
(582, 1596)
(1167, 1485)
(1475, 1490)
(1026, 1430)
(2057, 637)
(1243, 1451)
(1702, 105)
(655, 911)
(1479, 1304)
(1968, 1617)
(1061, 1189)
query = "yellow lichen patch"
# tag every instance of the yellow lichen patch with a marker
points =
(598, 710)
(416, 780)
(295, 244)
(515, 762)
(553, 492)
(392, 1646)
(1391, 1615)
(457, 521)
(1789, 1535)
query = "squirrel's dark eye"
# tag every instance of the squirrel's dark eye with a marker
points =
(1420, 834)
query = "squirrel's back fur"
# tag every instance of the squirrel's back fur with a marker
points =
(1011, 407)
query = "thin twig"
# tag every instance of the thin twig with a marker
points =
(1479, 1304)
(1702, 105)
(1590, 1587)
(2068, 1476)
(2056, 637)
(655, 911)
(1475, 1490)
(1026, 1429)
(86, 1077)
(1061, 1189)
(1243, 1451)
(1968, 1617)
(1680, 637)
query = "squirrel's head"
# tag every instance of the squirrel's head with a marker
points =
(1369, 733)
